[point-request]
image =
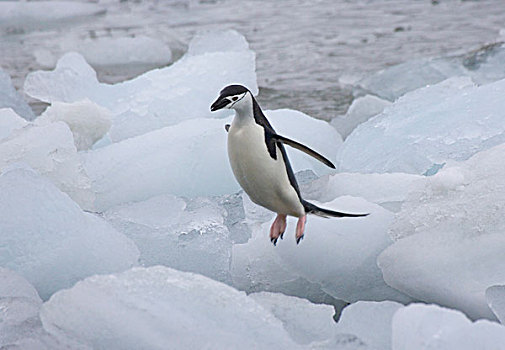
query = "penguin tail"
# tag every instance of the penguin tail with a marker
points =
(326, 213)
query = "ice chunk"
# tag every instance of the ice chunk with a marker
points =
(426, 128)
(316, 134)
(10, 98)
(9, 121)
(13, 285)
(20, 326)
(113, 52)
(190, 159)
(20, 15)
(387, 190)
(347, 248)
(486, 64)
(165, 96)
(161, 308)
(414, 75)
(217, 41)
(420, 326)
(450, 236)
(87, 121)
(370, 321)
(495, 296)
(305, 322)
(47, 239)
(50, 150)
(187, 159)
(186, 236)
(361, 109)
(72, 80)
(353, 273)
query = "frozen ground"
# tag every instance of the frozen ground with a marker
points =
(122, 227)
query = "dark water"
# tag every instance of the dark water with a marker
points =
(308, 52)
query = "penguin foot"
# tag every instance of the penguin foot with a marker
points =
(278, 228)
(300, 228)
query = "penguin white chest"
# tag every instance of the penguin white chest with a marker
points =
(263, 178)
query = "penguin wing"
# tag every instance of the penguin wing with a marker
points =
(227, 127)
(303, 148)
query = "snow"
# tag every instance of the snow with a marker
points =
(370, 321)
(87, 121)
(10, 98)
(50, 150)
(186, 235)
(49, 240)
(425, 128)
(164, 96)
(9, 121)
(449, 236)
(347, 248)
(419, 326)
(162, 308)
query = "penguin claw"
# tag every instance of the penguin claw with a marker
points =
(299, 239)
(274, 241)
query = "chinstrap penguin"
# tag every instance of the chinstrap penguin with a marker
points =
(260, 163)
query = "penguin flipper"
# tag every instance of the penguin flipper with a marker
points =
(303, 148)
(326, 213)
(227, 127)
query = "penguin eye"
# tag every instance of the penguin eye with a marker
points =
(234, 98)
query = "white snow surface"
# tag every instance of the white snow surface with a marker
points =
(49, 149)
(162, 308)
(449, 234)
(49, 240)
(425, 128)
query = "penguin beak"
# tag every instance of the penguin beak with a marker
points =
(221, 102)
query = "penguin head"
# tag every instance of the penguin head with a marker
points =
(237, 97)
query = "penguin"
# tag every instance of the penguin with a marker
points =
(261, 166)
